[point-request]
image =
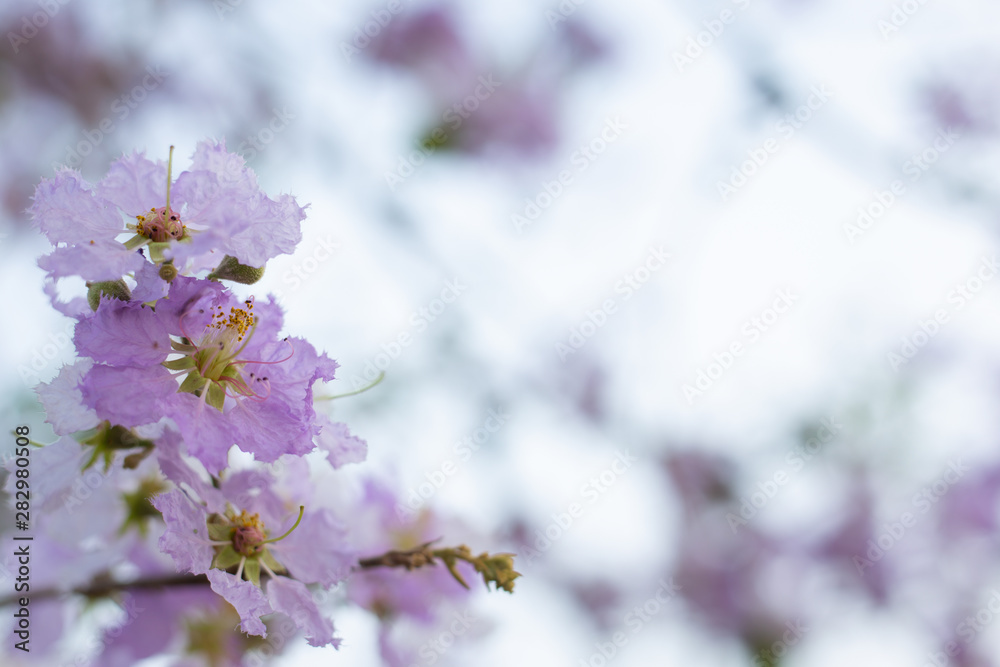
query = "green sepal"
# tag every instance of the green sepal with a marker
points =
(269, 560)
(252, 571)
(231, 269)
(115, 289)
(216, 396)
(107, 440)
(182, 347)
(226, 558)
(220, 532)
(193, 382)
(181, 364)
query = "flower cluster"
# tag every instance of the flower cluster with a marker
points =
(202, 415)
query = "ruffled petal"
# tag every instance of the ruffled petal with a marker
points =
(135, 184)
(63, 400)
(293, 599)
(123, 334)
(185, 538)
(248, 600)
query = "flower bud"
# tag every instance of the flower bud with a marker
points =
(116, 289)
(230, 269)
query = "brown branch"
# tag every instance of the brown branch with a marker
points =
(410, 559)
(105, 588)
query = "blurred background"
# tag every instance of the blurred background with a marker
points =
(691, 305)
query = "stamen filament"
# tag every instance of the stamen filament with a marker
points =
(381, 376)
(302, 509)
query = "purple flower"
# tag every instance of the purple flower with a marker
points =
(216, 208)
(241, 384)
(246, 533)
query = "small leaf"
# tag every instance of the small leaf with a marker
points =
(193, 382)
(226, 558)
(216, 396)
(181, 364)
(268, 559)
(252, 571)
(220, 532)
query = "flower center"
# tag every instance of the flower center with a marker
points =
(249, 534)
(223, 340)
(161, 224)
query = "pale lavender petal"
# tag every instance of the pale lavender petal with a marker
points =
(252, 490)
(274, 228)
(179, 471)
(63, 400)
(75, 307)
(103, 259)
(135, 184)
(128, 396)
(340, 446)
(67, 211)
(293, 599)
(185, 538)
(149, 285)
(207, 433)
(248, 600)
(125, 334)
(317, 550)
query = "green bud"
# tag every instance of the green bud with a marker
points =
(116, 289)
(168, 271)
(230, 269)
